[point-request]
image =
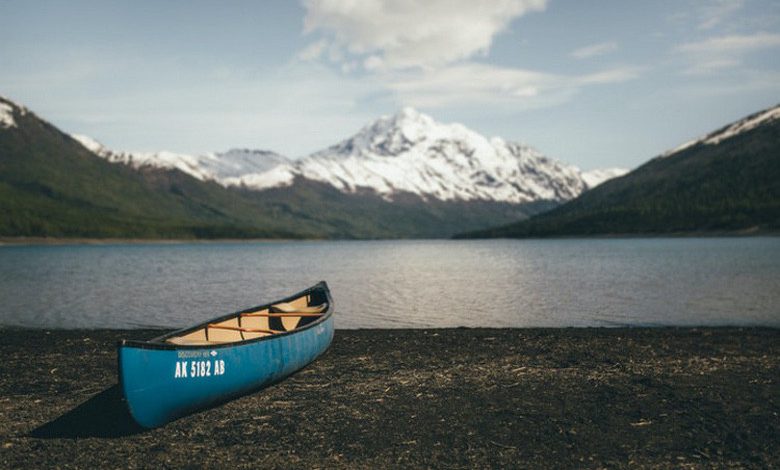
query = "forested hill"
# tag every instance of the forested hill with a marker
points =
(52, 185)
(726, 181)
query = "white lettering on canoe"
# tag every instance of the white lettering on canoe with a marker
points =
(181, 369)
(192, 354)
(199, 369)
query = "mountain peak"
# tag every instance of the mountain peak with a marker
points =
(409, 116)
(392, 135)
(409, 152)
(414, 121)
(408, 112)
(405, 153)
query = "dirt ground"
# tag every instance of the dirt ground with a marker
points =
(449, 398)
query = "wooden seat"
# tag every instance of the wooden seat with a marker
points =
(279, 318)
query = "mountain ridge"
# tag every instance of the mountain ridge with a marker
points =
(727, 181)
(52, 185)
(408, 152)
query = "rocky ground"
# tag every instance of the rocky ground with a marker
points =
(450, 398)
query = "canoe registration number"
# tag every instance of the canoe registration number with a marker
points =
(207, 368)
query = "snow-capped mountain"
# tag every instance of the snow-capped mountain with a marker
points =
(6, 116)
(7, 107)
(743, 125)
(412, 153)
(221, 167)
(594, 178)
(405, 153)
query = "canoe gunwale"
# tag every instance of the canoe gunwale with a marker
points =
(160, 343)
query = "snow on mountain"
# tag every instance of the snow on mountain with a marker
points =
(192, 165)
(239, 162)
(733, 129)
(405, 153)
(92, 145)
(7, 106)
(221, 167)
(594, 178)
(412, 153)
(280, 175)
(6, 115)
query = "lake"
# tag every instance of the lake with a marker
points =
(394, 284)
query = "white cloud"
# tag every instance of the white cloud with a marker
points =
(408, 34)
(421, 53)
(717, 53)
(594, 50)
(314, 50)
(469, 83)
(373, 63)
(707, 66)
(613, 75)
(482, 84)
(718, 11)
(734, 44)
(295, 109)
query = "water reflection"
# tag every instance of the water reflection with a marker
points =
(401, 283)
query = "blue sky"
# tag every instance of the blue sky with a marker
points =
(596, 84)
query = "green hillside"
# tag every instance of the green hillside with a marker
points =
(730, 186)
(51, 186)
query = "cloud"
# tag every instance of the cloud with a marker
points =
(468, 83)
(487, 85)
(402, 34)
(717, 53)
(613, 75)
(708, 66)
(294, 109)
(313, 51)
(423, 53)
(594, 50)
(718, 11)
(733, 44)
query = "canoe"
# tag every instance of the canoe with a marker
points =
(212, 362)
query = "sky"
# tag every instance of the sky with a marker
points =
(596, 84)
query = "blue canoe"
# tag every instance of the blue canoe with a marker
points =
(212, 362)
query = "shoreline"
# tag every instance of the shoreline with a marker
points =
(67, 241)
(54, 241)
(455, 398)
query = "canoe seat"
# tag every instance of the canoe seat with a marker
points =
(284, 307)
(277, 315)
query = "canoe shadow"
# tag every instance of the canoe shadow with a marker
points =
(103, 415)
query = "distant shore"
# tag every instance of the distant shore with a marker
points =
(137, 241)
(445, 398)
(750, 232)
(176, 241)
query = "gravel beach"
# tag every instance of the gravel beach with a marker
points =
(444, 398)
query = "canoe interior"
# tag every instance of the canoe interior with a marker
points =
(280, 317)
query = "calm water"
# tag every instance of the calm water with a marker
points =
(401, 283)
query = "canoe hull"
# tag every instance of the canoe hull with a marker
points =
(162, 384)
